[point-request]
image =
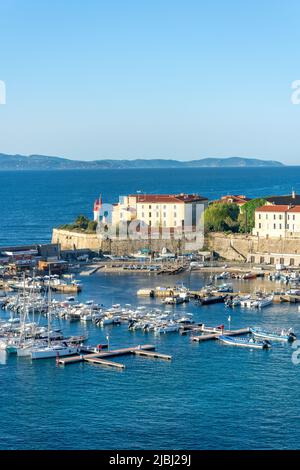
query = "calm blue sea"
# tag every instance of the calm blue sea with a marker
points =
(211, 396)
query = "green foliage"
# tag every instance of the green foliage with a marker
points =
(81, 224)
(221, 217)
(246, 218)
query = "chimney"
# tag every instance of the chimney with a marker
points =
(293, 194)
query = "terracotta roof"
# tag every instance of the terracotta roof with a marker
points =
(278, 208)
(167, 198)
(294, 209)
(237, 199)
(270, 208)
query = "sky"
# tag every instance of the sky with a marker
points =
(131, 79)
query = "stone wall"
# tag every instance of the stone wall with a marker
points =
(238, 246)
(75, 240)
(231, 247)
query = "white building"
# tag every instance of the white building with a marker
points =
(160, 210)
(277, 221)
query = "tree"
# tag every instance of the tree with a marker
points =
(246, 218)
(221, 217)
(82, 222)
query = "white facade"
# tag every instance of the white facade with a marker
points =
(277, 221)
(159, 211)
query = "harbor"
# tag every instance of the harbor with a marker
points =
(37, 312)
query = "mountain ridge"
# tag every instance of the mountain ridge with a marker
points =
(44, 162)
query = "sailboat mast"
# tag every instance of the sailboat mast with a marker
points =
(49, 307)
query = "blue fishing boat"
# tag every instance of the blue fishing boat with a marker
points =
(282, 335)
(245, 342)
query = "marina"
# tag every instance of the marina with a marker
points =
(146, 397)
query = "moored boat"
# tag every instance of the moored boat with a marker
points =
(245, 342)
(283, 335)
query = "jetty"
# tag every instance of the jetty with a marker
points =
(214, 333)
(101, 358)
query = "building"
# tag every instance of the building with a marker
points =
(277, 221)
(290, 199)
(240, 200)
(160, 210)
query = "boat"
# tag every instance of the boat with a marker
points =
(225, 288)
(245, 342)
(283, 335)
(211, 299)
(53, 350)
(265, 301)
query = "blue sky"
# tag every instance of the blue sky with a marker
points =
(162, 78)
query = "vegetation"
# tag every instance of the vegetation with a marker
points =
(246, 217)
(222, 217)
(81, 224)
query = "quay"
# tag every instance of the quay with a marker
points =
(146, 350)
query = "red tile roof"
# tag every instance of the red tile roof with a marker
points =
(235, 198)
(167, 198)
(278, 208)
(271, 208)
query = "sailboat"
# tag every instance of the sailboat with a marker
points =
(52, 349)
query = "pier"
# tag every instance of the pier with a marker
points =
(214, 333)
(147, 350)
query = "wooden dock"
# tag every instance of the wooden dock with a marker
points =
(156, 355)
(146, 350)
(104, 362)
(216, 334)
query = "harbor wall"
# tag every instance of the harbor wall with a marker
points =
(238, 247)
(234, 247)
(75, 241)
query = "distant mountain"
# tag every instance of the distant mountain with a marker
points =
(42, 162)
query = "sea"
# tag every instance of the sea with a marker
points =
(210, 396)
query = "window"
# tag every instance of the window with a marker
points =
(175, 215)
(150, 206)
(175, 223)
(157, 215)
(293, 217)
(280, 216)
(143, 215)
(259, 216)
(259, 225)
(165, 214)
(266, 216)
(274, 226)
(274, 216)
(280, 226)
(149, 215)
(292, 261)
